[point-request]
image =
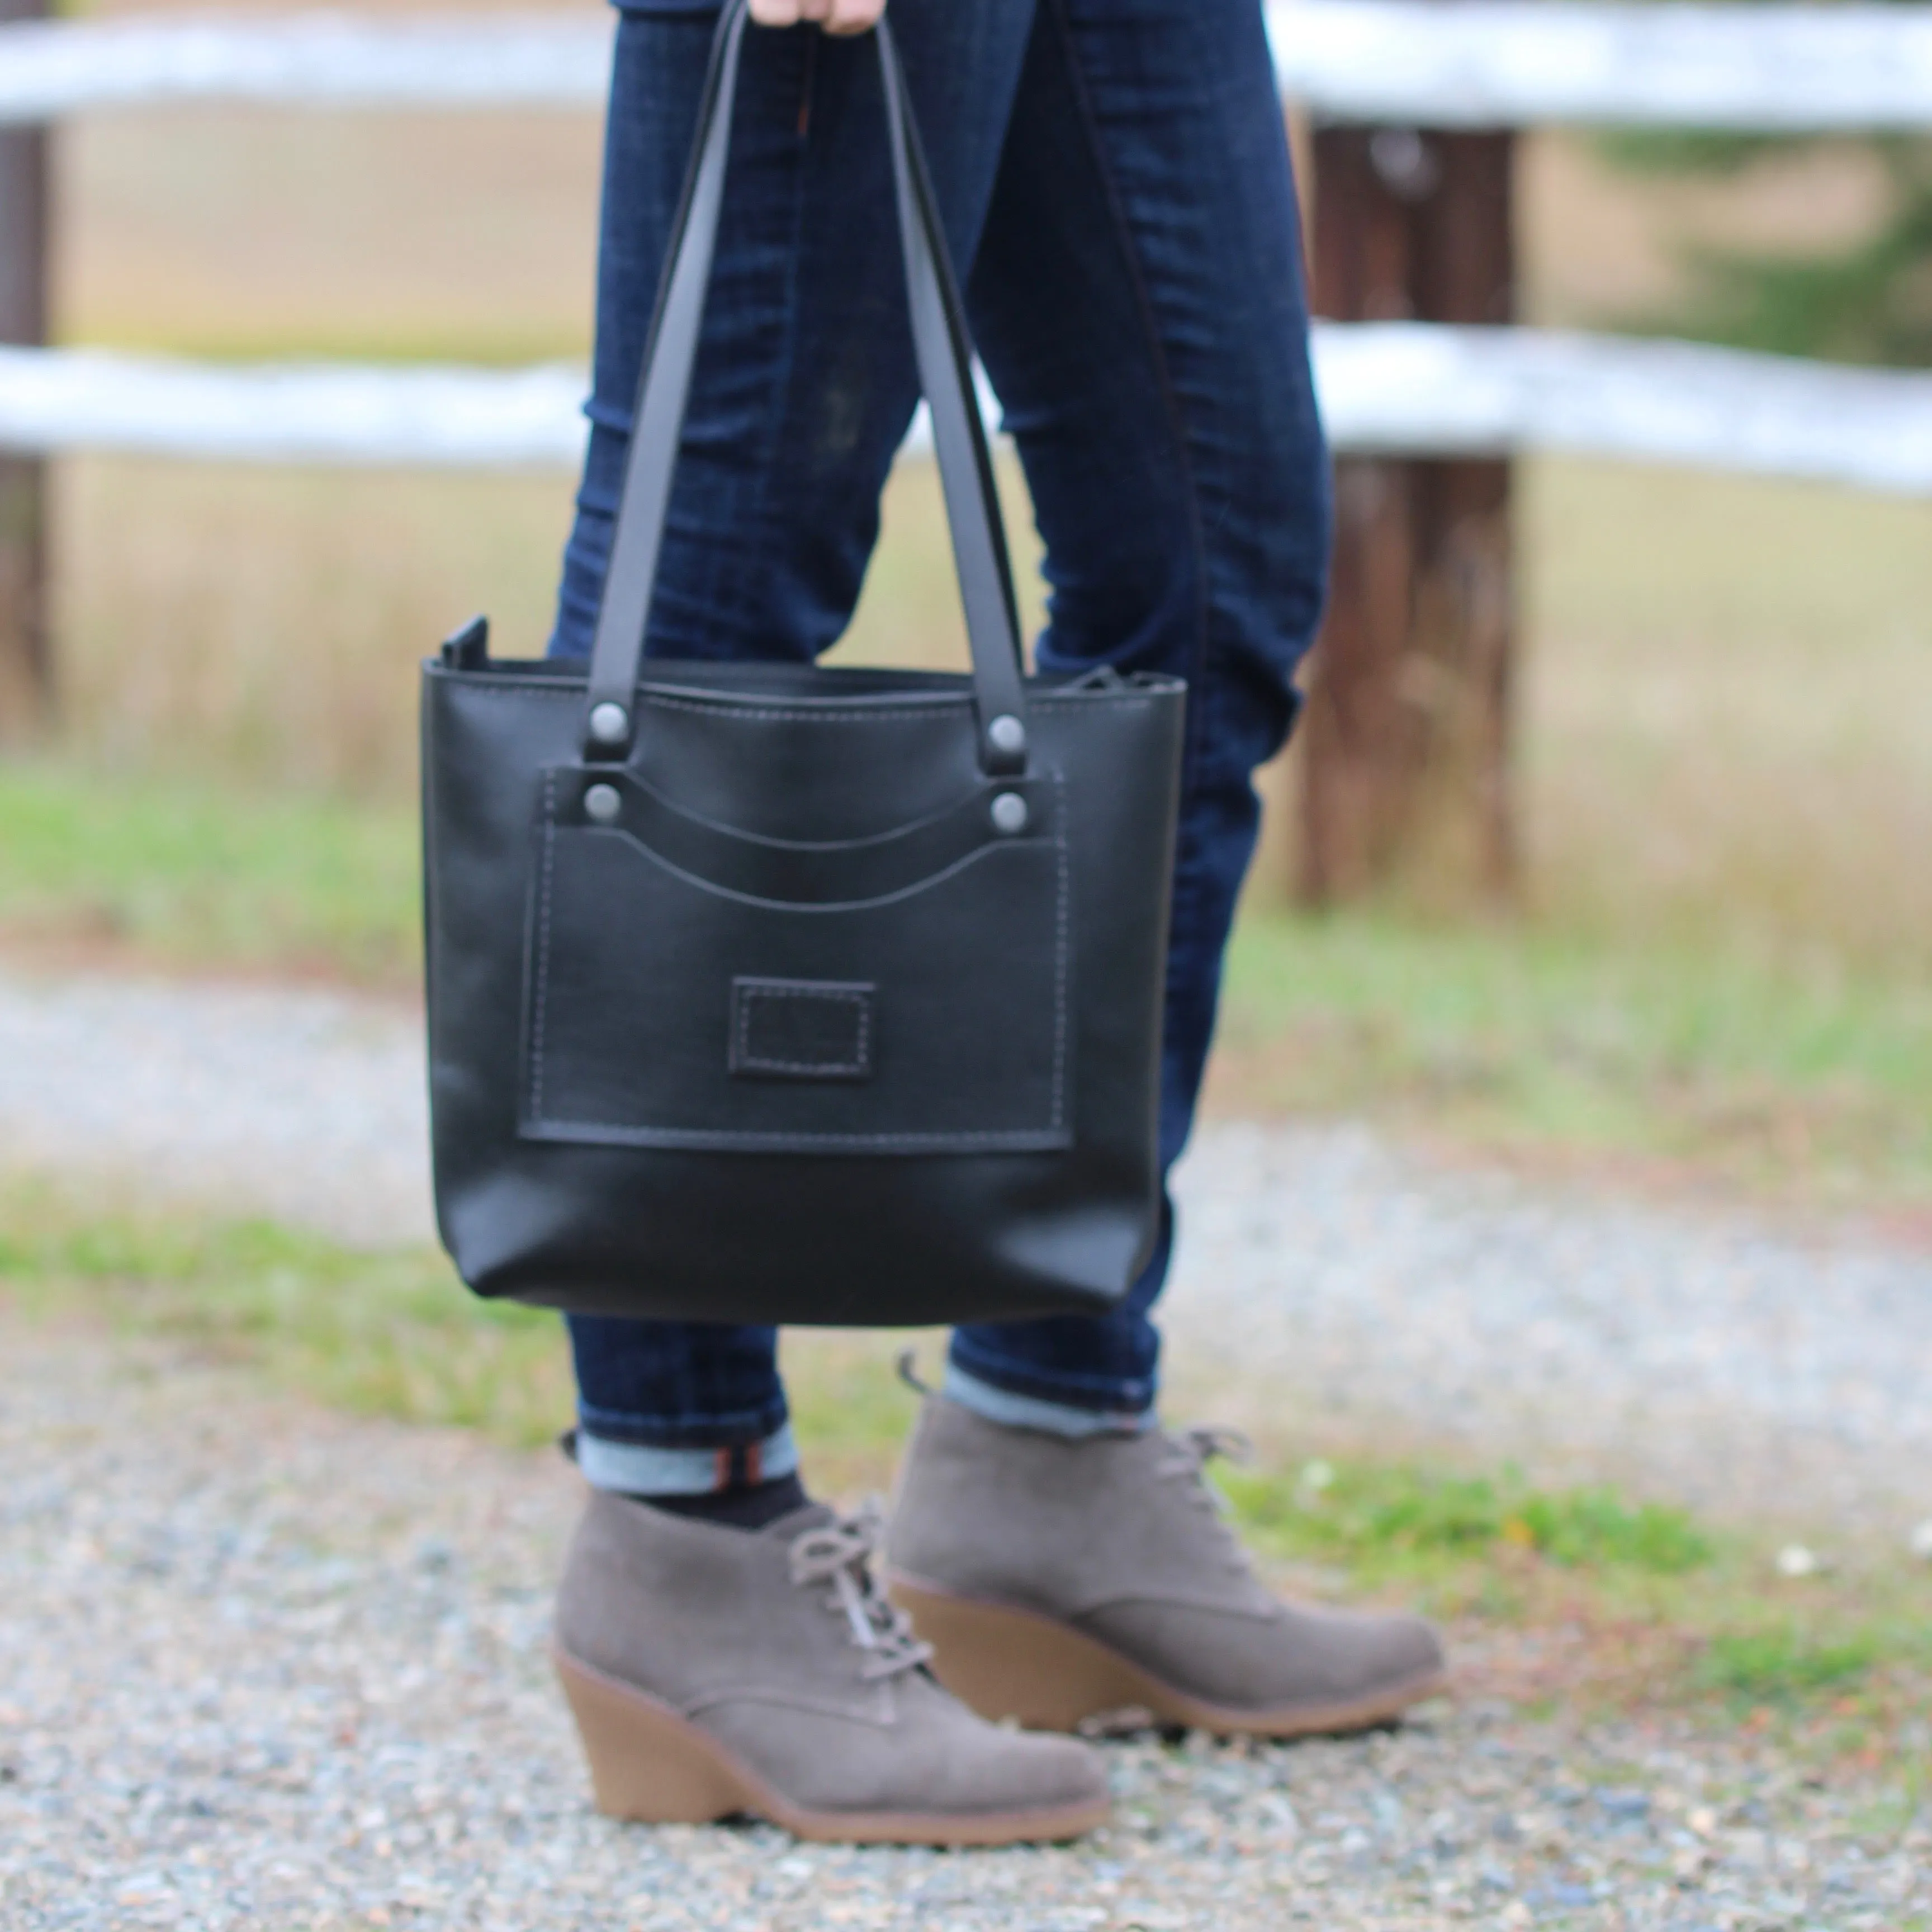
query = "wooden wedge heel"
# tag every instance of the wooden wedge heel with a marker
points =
(1012, 1665)
(650, 1766)
(647, 1764)
(1017, 1665)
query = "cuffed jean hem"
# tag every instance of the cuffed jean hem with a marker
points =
(1028, 1411)
(1112, 1397)
(638, 1469)
(698, 1435)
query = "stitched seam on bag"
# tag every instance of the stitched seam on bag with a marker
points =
(859, 1063)
(543, 948)
(775, 714)
(508, 688)
(725, 708)
(806, 1137)
(802, 1138)
(879, 714)
(1060, 954)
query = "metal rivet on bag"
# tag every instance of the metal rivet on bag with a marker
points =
(602, 803)
(609, 724)
(1009, 813)
(1007, 735)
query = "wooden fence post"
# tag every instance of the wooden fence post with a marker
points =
(1406, 747)
(26, 669)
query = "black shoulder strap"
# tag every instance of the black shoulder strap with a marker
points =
(944, 356)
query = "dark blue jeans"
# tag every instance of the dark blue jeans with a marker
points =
(1115, 183)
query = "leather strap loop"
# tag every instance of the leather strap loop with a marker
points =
(942, 349)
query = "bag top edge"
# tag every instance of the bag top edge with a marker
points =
(732, 682)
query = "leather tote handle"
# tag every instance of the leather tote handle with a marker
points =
(944, 357)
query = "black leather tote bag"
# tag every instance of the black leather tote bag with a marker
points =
(778, 993)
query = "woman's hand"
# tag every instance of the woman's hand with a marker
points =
(836, 17)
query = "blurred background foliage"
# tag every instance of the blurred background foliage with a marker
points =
(1866, 299)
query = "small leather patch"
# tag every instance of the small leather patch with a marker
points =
(802, 1029)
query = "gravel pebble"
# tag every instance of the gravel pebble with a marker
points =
(267, 1666)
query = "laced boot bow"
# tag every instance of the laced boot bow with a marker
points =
(838, 1556)
(1193, 1449)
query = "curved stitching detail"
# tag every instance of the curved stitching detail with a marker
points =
(542, 989)
(1055, 1134)
(877, 715)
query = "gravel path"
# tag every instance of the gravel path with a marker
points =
(299, 1103)
(267, 1668)
(1746, 1370)
(1327, 1284)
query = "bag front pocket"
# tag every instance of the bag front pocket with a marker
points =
(692, 985)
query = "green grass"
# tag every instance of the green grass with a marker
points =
(1393, 1517)
(1655, 1607)
(207, 877)
(392, 1334)
(1785, 1665)
(1773, 1072)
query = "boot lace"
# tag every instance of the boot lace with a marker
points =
(1192, 1449)
(838, 1554)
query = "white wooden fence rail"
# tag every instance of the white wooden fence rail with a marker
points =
(1395, 388)
(1392, 387)
(1538, 63)
(1450, 63)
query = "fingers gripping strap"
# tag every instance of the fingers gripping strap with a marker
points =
(943, 356)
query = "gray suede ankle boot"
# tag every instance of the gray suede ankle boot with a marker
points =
(714, 1670)
(1057, 1579)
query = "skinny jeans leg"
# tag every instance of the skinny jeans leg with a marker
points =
(1115, 173)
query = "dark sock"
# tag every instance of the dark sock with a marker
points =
(742, 1506)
